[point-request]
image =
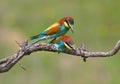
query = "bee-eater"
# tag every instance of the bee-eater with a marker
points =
(63, 43)
(57, 29)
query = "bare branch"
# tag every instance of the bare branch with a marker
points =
(7, 63)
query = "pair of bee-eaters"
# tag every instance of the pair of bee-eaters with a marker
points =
(57, 31)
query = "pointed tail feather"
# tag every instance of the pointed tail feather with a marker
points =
(38, 36)
(33, 41)
(34, 37)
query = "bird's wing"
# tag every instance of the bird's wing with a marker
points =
(50, 30)
(52, 26)
(53, 30)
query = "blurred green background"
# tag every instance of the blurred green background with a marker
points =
(97, 24)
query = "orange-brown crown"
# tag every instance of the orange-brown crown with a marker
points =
(61, 21)
(68, 18)
(67, 39)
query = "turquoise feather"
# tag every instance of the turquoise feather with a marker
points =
(57, 29)
(60, 44)
(43, 35)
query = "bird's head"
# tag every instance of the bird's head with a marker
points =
(68, 22)
(68, 42)
(67, 39)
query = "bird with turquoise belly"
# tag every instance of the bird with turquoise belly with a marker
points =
(63, 43)
(57, 29)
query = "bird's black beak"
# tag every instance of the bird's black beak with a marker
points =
(71, 27)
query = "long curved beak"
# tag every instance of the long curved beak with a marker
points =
(71, 27)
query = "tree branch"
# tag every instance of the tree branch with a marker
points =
(7, 63)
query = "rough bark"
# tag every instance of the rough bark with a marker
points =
(7, 63)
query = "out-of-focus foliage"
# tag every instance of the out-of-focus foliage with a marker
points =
(97, 24)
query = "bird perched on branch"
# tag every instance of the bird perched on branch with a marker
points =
(57, 29)
(63, 43)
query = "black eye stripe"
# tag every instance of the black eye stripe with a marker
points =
(69, 45)
(67, 22)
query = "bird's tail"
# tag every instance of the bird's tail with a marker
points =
(37, 39)
(34, 39)
(31, 42)
(36, 36)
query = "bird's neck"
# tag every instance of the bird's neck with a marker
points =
(64, 28)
